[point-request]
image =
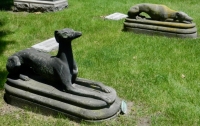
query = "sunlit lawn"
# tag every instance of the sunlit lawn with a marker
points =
(160, 76)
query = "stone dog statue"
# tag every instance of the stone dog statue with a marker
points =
(61, 68)
(158, 12)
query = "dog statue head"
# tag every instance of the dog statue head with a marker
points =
(181, 16)
(66, 34)
(13, 64)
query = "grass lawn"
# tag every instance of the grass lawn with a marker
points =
(6, 4)
(159, 76)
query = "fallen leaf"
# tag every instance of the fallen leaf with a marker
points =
(38, 12)
(182, 76)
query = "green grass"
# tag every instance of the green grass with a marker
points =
(160, 75)
(6, 4)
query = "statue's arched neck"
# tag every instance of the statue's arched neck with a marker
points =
(65, 53)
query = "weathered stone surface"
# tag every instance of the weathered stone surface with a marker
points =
(168, 28)
(38, 93)
(157, 12)
(51, 81)
(161, 33)
(39, 5)
(61, 69)
(47, 45)
(167, 23)
(162, 21)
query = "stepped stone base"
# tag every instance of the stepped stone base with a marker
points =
(39, 5)
(50, 99)
(168, 28)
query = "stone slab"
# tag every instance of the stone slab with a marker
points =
(40, 5)
(116, 16)
(47, 45)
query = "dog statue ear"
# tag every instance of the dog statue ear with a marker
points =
(13, 64)
(56, 36)
(177, 15)
(61, 34)
(16, 60)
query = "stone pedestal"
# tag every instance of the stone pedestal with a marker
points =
(38, 94)
(40, 5)
(167, 28)
(50, 82)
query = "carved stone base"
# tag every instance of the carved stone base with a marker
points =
(36, 93)
(39, 5)
(169, 28)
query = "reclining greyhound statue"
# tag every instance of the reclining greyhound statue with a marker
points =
(61, 68)
(158, 12)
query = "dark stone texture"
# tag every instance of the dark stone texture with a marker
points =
(51, 81)
(60, 69)
(41, 94)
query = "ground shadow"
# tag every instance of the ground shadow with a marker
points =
(4, 33)
(3, 75)
(3, 46)
(6, 4)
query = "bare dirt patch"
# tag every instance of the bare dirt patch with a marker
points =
(4, 107)
(133, 112)
(145, 121)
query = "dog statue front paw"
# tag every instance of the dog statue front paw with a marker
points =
(105, 89)
(24, 77)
